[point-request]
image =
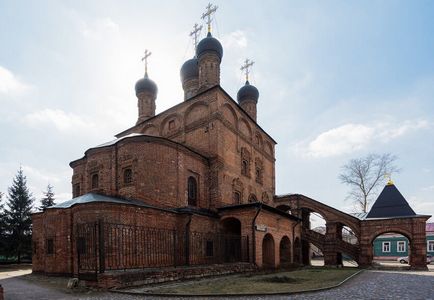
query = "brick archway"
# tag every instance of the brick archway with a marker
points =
(285, 251)
(268, 257)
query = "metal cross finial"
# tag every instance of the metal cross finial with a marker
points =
(207, 15)
(145, 58)
(195, 33)
(247, 64)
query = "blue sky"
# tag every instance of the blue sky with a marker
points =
(337, 80)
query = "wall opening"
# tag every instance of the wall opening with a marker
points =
(285, 252)
(268, 251)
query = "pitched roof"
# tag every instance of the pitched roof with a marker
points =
(389, 204)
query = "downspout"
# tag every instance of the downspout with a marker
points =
(253, 232)
(187, 241)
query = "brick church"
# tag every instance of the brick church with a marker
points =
(192, 185)
(191, 191)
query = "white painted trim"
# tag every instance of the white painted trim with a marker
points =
(397, 246)
(428, 244)
(382, 247)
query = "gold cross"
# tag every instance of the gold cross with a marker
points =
(207, 15)
(247, 64)
(389, 178)
(145, 58)
(195, 33)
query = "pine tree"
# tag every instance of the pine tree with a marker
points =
(48, 199)
(3, 233)
(18, 216)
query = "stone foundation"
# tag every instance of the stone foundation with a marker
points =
(122, 279)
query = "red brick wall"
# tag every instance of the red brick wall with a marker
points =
(160, 172)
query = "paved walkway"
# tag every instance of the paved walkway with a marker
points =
(368, 285)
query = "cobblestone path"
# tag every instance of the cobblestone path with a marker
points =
(368, 285)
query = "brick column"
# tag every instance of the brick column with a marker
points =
(333, 233)
(305, 246)
(1, 292)
(418, 253)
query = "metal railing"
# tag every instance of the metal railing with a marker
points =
(108, 246)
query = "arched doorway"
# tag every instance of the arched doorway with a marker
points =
(268, 251)
(285, 251)
(391, 248)
(297, 251)
(230, 229)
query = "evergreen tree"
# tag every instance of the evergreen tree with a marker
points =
(18, 216)
(48, 199)
(3, 233)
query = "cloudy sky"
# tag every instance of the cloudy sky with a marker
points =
(337, 80)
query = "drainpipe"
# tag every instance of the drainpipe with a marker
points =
(187, 241)
(258, 210)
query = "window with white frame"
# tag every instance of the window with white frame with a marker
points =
(430, 246)
(386, 246)
(400, 246)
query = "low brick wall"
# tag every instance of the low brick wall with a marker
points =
(122, 279)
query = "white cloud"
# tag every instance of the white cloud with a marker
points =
(428, 188)
(10, 84)
(41, 176)
(352, 137)
(99, 28)
(235, 39)
(61, 120)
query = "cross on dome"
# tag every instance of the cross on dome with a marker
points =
(195, 34)
(145, 58)
(210, 9)
(247, 64)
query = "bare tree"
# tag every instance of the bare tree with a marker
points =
(364, 176)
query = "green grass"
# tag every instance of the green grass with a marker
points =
(293, 281)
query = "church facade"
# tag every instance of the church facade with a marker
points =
(191, 191)
(191, 185)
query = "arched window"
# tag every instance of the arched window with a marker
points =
(252, 198)
(192, 191)
(95, 181)
(76, 190)
(237, 197)
(128, 176)
(244, 167)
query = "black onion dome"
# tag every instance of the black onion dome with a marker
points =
(146, 85)
(209, 44)
(248, 92)
(190, 69)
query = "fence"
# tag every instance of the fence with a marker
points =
(107, 246)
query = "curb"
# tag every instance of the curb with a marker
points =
(165, 295)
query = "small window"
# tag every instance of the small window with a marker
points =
(171, 124)
(192, 191)
(430, 246)
(50, 246)
(245, 167)
(128, 176)
(95, 181)
(386, 246)
(81, 245)
(258, 175)
(237, 198)
(252, 198)
(209, 251)
(400, 246)
(76, 190)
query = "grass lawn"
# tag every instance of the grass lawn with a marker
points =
(290, 281)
